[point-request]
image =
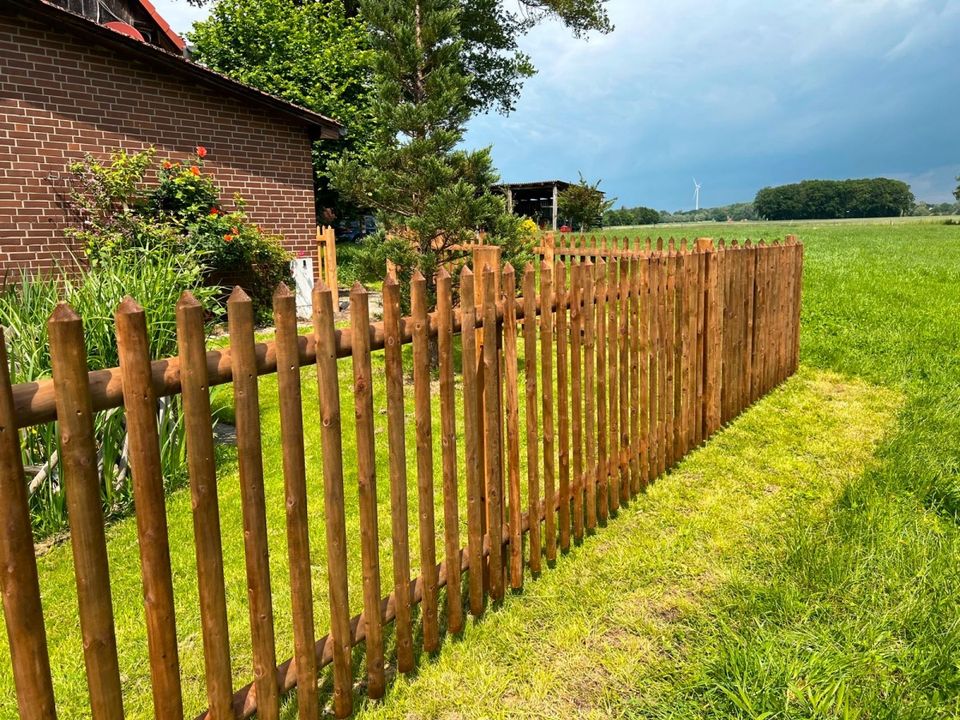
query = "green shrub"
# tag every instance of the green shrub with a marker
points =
(119, 209)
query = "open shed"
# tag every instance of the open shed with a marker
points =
(537, 200)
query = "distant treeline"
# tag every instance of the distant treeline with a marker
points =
(648, 216)
(826, 199)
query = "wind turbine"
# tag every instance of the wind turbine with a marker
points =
(696, 194)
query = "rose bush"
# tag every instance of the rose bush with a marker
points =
(119, 208)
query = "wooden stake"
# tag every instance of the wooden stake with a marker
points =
(533, 424)
(331, 436)
(491, 402)
(367, 480)
(247, 402)
(79, 462)
(563, 414)
(513, 422)
(19, 581)
(399, 515)
(140, 404)
(576, 394)
(546, 369)
(448, 442)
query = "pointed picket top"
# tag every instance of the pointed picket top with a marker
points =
(63, 313)
(238, 296)
(128, 306)
(748, 243)
(443, 273)
(723, 244)
(683, 244)
(466, 272)
(417, 276)
(528, 267)
(390, 280)
(545, 266)
(357, 289)
(187, 300)
(507, 269)
(281, 292)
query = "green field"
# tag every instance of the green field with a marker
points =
(804, 563)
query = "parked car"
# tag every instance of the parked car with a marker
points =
(356, 229)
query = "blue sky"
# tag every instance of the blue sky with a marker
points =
(737, 94)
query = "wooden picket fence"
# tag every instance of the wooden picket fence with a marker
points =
(632, 356)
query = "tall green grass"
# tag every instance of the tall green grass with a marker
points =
(155, 279)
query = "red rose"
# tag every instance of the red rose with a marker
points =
(201, 151)
(195, 170)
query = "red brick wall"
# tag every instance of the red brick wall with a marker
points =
(62, 98)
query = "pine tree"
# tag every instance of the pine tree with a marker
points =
(430, 195)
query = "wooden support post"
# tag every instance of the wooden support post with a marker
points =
(492, 429)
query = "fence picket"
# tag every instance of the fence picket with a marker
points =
(249, 453)
(206, 512)
(423, 419)
(448, 444)
(602, 467)
(140, 403)
(341, 635)
(576, 394)
(472, 442)
(295, 492)
(79, 461)
(549, 443)
(367, 482)
(563, 414)
(21, 585)
(491, 425)
(534, 507)
(590, 391)
(513, 425)
(397, 452)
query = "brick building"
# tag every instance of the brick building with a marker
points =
(92, 76)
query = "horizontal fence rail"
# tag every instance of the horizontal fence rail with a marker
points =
(615, 361)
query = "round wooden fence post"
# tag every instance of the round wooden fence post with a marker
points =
(206, 511)
(295, 492)
(533, 423)
(367, 481)
(140, 404)
(331, 437)
(399, 514)
(19, 582)
(87, 539)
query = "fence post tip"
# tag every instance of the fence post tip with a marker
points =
(417, 276)
(358, 289)
(238, 296)
(466, 272)
(128, 306)
(63, 313)
(443, 273)
(508, 269)
(390, 280)
(281, 291)
(187, 300)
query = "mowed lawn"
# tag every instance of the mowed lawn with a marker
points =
(804, 563)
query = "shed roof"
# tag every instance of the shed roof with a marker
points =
(320, 125)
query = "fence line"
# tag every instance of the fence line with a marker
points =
(687, 336)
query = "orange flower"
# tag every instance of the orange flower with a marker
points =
(195, 170)
(228, 238)
(214, 212)
(201, 151)
(234, 231)
(167, 164)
